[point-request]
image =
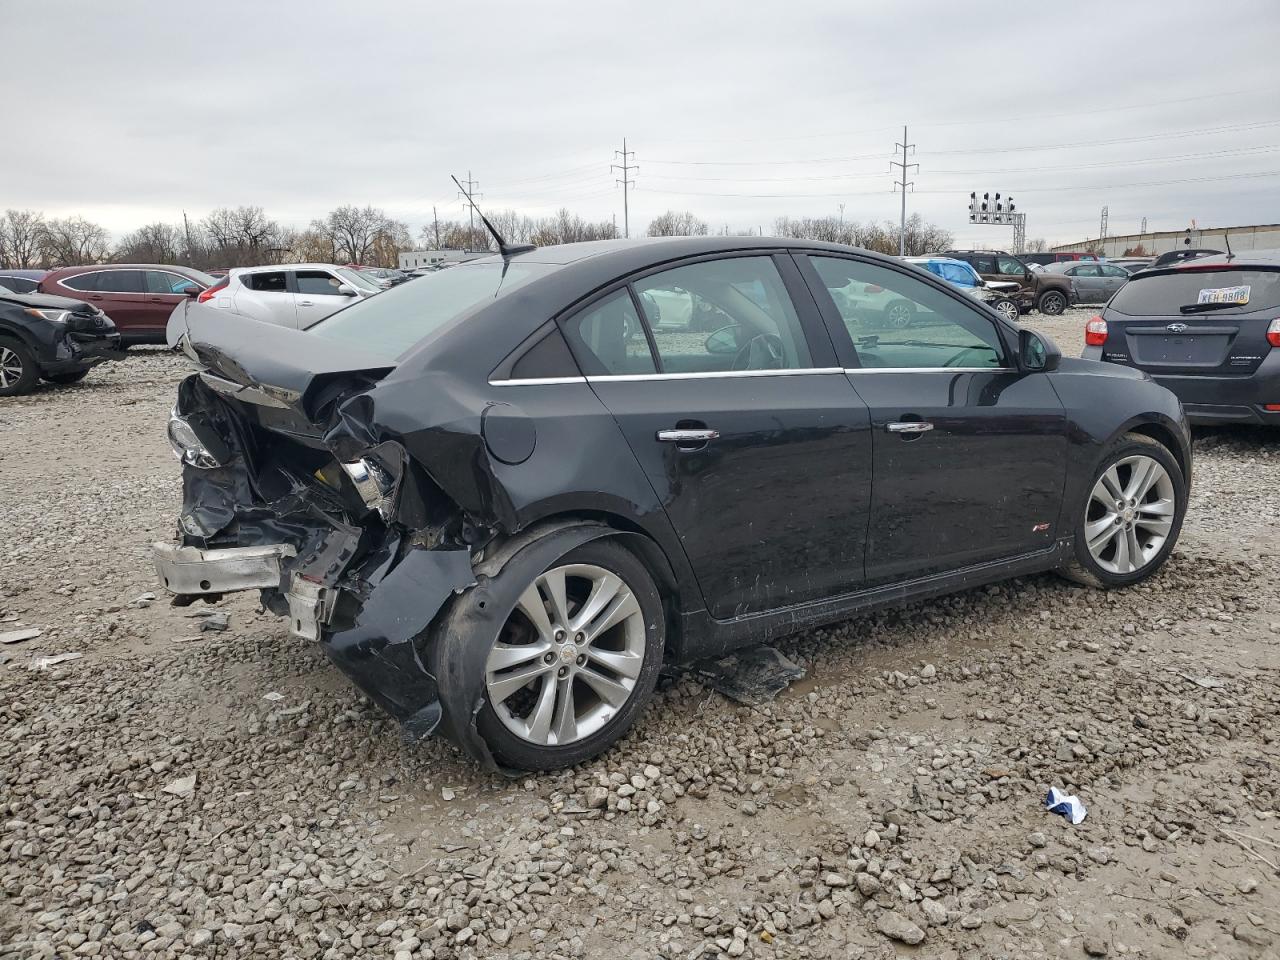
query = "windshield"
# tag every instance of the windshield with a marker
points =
(1164, 295)
(393, 322)
(356, 278)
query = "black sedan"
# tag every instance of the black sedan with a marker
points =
(500, 497)
(54, 338)
(1208, 329)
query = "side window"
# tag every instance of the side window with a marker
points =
(608, 338)
(1112, 271)
(1084, 270)
(549, 357)
(122, 281)
(721, 315)
(958, 275)
(161, 281)
(984, 263)
(317, 283)
(1010, 265)
(275, 282)
(898, 321)
(85, 281)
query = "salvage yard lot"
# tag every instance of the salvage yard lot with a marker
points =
(895, 792)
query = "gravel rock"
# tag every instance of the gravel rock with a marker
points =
(897, 927)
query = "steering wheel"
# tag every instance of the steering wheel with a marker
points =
(956, 361)
(764, 351)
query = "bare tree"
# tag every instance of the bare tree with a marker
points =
(20, 232)
(1038, 245)
(240, 237)
(363, 234)
(71, 241)
(153, 243)
(677, 224)
(921, 236)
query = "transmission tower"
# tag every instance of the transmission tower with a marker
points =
(626, 166)
(1102, 229)
(469, 195)
(901, 184)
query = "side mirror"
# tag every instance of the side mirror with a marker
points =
(346, 290)
(1039, 354)
(723, 341)
(192, 290)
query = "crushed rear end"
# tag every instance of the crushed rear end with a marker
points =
(297, 483)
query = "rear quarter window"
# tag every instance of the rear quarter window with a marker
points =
(1165, 294)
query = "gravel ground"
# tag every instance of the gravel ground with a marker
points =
(178, 792)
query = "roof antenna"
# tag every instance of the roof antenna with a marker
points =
(507, 250)
(1226, 238)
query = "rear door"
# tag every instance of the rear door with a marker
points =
(969, 451)
(1194, 320)
(119, 294)
(265, 295)
(1112, 279)
(729, 397)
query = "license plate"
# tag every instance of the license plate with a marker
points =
(1238, 295)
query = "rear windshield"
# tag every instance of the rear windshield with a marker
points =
(1163, 295)
(393, 322)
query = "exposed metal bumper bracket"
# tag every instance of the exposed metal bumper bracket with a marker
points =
(310, 606)
(191, 570)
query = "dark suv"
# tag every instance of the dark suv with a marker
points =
(1048, 293)
(1206, 329)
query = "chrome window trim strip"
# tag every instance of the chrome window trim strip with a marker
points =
(536, 381)
(712, 374)
(931, 370)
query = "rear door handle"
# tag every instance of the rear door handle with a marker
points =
(687, 436)
(306, 303)
(909, 426)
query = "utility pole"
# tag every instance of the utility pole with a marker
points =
(841, 214)
(186, 228)
(1143, 228)
(471, 196)
(901, 184)
(626, 166)
(436, 220)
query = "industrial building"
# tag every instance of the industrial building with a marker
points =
(1263, 236)
(410, 259)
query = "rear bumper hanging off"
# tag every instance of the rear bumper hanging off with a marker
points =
(191, 570)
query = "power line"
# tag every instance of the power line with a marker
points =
(626, 167)
(470, 196)
(1076, 113)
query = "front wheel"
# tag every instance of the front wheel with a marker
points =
(1007, 309)
(18, 370)
(575, 661)
(1053, 303)
(1132, 517)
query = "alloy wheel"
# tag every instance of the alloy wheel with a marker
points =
(568, 658)
(1008, 309)
(1130, 514)
(10, 368)
(1053, 304)
(899, 315)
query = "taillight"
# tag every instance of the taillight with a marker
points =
(1095, 332)
(1273, 333)
(872, 288)
(206, 295)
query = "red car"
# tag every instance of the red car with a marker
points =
(138, 297)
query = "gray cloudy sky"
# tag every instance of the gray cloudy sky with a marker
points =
(134, 111)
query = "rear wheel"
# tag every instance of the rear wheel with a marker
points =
(1132, 517)
(18, 370)
(575, 661)
(1052, 302)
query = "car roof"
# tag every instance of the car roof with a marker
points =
(25, 274)
(237, 271)
(86, 267)
(1253, 258)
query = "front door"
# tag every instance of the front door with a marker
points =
(970, 452)
(730, 399)
(1011, 269)
(1086, 283)
(316, 296)
(164, 293)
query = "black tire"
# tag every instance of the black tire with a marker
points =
(20, 373)
(899, 314)
(1052, 303)
(1007, 309)
(1083, 568)
(512, 750)
(64, 378)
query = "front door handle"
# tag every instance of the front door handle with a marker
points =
(909, 426)
(306, 303)
(687, 436)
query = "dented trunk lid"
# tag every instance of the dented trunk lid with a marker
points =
(289, 378)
